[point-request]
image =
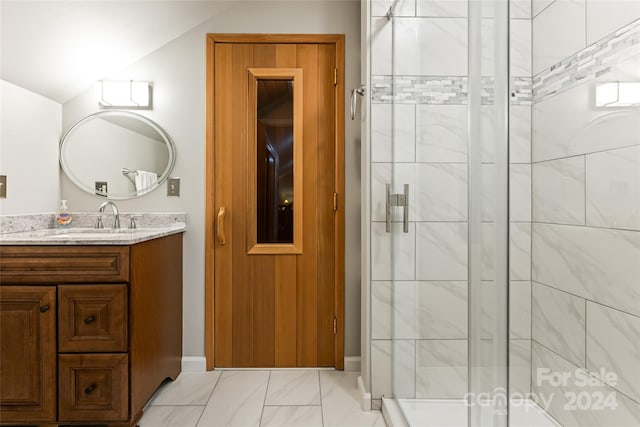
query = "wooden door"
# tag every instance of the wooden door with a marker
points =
(276, 302)
(27, 353)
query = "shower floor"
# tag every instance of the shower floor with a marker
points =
(453, 413)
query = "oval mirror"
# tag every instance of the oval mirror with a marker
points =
(117, 154)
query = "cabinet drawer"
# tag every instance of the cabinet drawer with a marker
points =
(93, 387)
(92, 318)
(70, 264)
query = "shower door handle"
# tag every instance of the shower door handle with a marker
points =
(354, 99)
(398, 200)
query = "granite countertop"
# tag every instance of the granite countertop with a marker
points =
(38, 229)
(88, 236)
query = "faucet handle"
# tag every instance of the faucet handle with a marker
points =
(99, 224)
(132, 222)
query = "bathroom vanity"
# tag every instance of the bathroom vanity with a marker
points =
(89, 328)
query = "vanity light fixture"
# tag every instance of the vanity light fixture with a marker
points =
(618, 94)
(124, 94)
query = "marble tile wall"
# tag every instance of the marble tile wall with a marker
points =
(585, 241)
(419, 278)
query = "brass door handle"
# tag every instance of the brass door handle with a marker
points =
(220, 228)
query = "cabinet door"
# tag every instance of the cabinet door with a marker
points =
(27, 353)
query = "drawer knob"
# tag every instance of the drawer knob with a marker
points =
(89, 389)
(89, 320)
(44, 309)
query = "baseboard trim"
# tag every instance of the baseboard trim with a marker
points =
(365, 397)
(194, 364)
(352, 363)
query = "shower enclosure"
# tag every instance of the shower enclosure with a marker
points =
(495, 209)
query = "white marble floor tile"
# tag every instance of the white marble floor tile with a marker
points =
(171, 416)
(291, 416)
(237, 400)
(293, 388)
(192, 388)
(340, 406)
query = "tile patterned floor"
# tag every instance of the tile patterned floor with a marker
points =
(260, 398)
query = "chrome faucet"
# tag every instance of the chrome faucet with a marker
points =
(116, 219)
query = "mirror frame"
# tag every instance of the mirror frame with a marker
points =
(89, 189)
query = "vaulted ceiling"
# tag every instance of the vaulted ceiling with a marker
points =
(60, 48)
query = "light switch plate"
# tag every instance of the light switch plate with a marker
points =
(3, 186)
(101, 188)
(173, 187)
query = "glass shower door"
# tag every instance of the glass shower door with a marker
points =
(446, 212)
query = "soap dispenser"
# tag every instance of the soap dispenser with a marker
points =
(63, 217)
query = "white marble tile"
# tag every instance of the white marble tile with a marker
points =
(380, 177)
(558, 32)
(520, 309)
(598, 264)
(380, 310)
(558, 322)
(520, 192)
(340, 404)
(606, 16)
(431, 46)
(520, 133)
(520, 47)
(442, 251)
(404, 253)
(291, 416)
(441, 133)
(442, 310)
(381, 42)
(558, 398)
(559, 191)
(567, 124)
(488, 42)
(404, 369)
(381, 369)
(613, 344)
(402, 147)
(520, 366)
(188, 389)
(403, 7)
(441, 369)
(171, 416)
(442, 8)
(405, 309)
(293, 388)
(538, 6)
(489, 191)
(440, 193)
(488, 133)
(520, 251)
(520, 9)
(237, 400)
(613, 189)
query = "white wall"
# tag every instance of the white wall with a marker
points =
(178, 74)
(29, 134)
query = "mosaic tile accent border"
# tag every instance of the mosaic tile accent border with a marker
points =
(442, 90)
(588, 64)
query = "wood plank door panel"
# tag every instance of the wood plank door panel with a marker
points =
(274, 309)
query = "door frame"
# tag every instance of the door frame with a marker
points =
(210, 209)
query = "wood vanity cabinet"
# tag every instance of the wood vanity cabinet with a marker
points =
(88, 333)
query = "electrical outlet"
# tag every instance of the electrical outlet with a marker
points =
(173, 187)
(3, 186)
(101, 188)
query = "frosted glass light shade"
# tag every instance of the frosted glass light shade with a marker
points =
(618, 94)
(124, 94)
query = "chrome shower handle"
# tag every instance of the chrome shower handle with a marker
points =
(354, 99)
(398, 200)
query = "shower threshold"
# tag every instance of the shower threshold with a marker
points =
(453, 413)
